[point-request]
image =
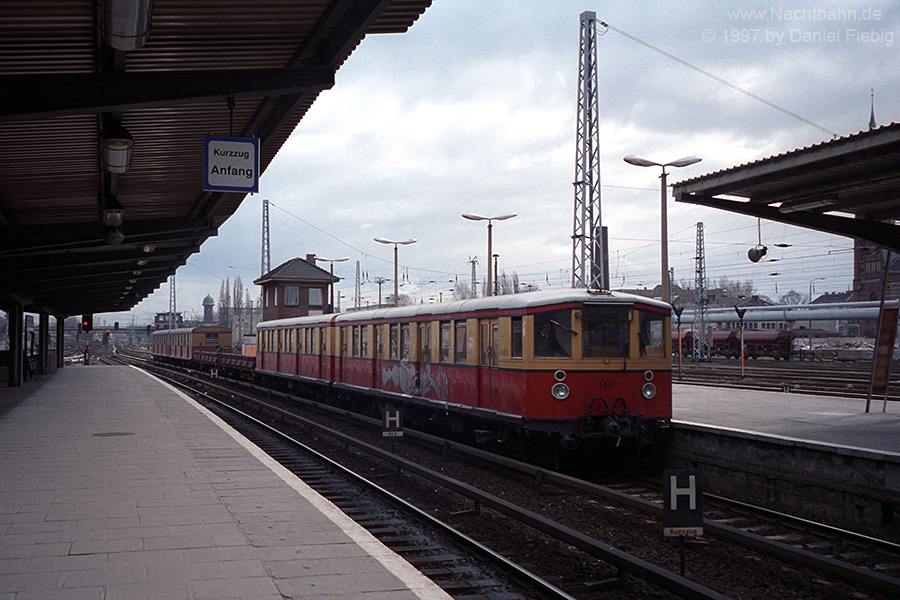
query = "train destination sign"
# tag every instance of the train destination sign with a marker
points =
(682, 504)
(230, 164)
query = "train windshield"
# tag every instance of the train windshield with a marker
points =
(553, 333)
(605, 330)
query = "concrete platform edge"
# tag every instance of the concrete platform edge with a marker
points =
(409, 575)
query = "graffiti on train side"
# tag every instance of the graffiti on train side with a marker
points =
(404, 376)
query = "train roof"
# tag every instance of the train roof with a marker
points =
(527, 300)
(200, 329)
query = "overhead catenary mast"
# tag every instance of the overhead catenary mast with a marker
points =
(701, 302)
(265, 262)
(587, 247)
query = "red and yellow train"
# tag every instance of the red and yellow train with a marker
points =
(182, 344)
(571, 367)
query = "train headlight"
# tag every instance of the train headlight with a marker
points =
(560, 391)
(559, 375)
(648, 375)
(648, 391)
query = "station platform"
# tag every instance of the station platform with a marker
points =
(115, 486)
(826, 419)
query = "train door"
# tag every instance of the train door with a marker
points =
(488, 382)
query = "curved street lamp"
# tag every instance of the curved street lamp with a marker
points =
(331, 283)
(664, 218)
(395, 243)
(472, 217)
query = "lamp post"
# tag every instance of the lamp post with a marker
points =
(331, 283)
(472, 217)
(740, 313)
(379, 281)
(664, 225)
(811, 355)
(396, 281)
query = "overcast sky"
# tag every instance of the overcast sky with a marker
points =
(474, 110)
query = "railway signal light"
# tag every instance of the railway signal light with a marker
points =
(87, 323)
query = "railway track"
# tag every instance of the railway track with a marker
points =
(566, 518)
(847, 379)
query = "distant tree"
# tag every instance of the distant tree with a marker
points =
(792, 297)
(462, 291)
(224, 311)
(238, 299)
(508, 284)
(736, 289)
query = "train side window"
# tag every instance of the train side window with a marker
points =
(356, 341)
(651, 333)
(516, 350)
(404, 341)
(446, 341)
(553, 334)
(364, 341)
(460, 344)
(425, 342)
(395, 340)
(605, 331)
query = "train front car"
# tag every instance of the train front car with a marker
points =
(560, 368)
(599, 371)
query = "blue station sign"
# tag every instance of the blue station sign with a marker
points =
(230, 164)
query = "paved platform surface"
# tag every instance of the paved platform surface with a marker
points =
(831, 420)
(114, 486)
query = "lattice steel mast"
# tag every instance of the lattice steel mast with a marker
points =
(265, 264)
(587, 252)
(701, 341)
(172, 318)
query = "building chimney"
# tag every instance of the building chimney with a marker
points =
(311, 259)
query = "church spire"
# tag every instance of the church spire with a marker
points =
(872, 124)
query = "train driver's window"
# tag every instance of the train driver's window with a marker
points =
(651, 333)
(553, 334)
(605, 331)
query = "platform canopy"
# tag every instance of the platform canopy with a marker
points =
(81, 234)
(848, 186)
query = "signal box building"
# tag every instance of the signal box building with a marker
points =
(296, 288)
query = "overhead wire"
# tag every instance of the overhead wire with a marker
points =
(718, 79)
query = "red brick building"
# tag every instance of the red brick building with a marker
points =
(870, 264)
(296, 288)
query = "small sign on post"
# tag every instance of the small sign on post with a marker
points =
(392, 420)
(230, 164)
(682, 504)
(682, 508)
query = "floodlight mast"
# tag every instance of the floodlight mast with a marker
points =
(587, 247)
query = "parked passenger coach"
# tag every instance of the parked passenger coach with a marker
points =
(572, 365)
(180, 345)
